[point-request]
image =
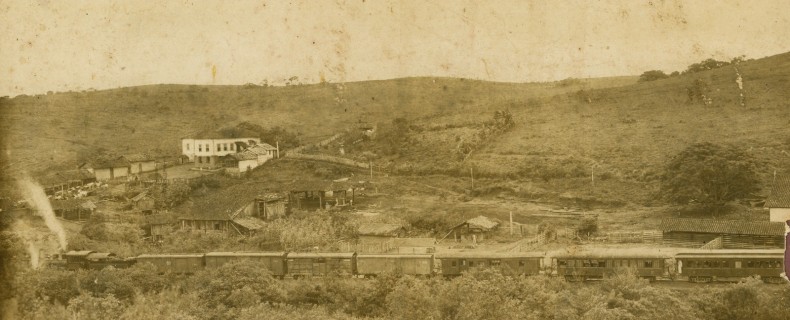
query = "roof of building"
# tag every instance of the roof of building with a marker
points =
(244, 155)
(66, 204)
(160, 218)
(270, 196)
(139, 196)
(249, 223)
(88, 205)
(224, 133)
(482, 222)
(62, 177)
(379, 229)
(220, 204)
(723, 226)
(109, 163)
(323, 185)
(138, 157)
(780, 193)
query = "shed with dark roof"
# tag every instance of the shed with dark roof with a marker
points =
(732, 234)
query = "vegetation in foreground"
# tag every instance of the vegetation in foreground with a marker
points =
(243, 291)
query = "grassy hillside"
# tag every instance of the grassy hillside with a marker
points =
(60, 128)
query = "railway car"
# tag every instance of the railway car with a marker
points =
(511, 264)
(86, 259)
(581, 266)
(273, 261)
(174, 263)
(411, 264)
(730, 265)
(300, 264)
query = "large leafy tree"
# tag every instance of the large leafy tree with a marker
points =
(710, 175)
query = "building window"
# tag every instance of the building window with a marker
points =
(648, 264)
(455, 263)
(231, 146)
(225, 146)
(200, 148)
(208, 148)
(200, 159)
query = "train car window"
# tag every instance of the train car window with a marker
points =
(463, 262)
(560, 263)
(706, 264)
(750, 264)
(602, 263)
(586, 263)
(522, 263)
(471, 263)
(495, 262)
(737, 264)
(455, 263)
(648, 263)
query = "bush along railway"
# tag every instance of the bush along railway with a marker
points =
(699, 266)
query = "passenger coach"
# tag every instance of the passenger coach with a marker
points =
(509, 264)
(648, 264)
(730, 265)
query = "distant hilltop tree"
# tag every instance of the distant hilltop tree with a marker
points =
(652, 75)
(710, 64)
(710, 175)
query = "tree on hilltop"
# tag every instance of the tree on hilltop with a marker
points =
(652, 75)
(710, 175)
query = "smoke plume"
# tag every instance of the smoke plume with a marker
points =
(36, 197)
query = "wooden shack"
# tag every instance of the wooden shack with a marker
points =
(726, 234)
(322, 194)
(379, 232)
(73, 209)
(158, 226)
(271, 205)
(474, 229)
(143, 202)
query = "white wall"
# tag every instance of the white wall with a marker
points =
(243, 164)
(780, 214)
(197, 147)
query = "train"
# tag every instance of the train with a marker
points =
(698, 266)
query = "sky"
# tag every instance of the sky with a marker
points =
(83, 45)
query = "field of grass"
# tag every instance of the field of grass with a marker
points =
(625, 130)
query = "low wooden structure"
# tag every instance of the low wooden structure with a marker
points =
(271, 205)
(143, 202)
(158, 226)
(322, 194)
(474, 229)
(73, 209)
(733, 234)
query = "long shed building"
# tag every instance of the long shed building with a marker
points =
(722, 234)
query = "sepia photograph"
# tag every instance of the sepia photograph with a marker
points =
(400, 159)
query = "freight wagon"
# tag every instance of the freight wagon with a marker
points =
(174, 263)
(320, 264)
(411, 264)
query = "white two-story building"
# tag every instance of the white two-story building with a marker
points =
(205, 148)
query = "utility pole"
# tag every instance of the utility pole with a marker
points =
(278, 149)
(472, 174)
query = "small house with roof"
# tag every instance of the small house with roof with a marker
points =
(143, 202)
(271, 205)
(474, 229)
(323, 194)
(73, 209)
(377, 233)
(108, 169)
(205, 148)
(140, 163)
(726, 234)
(233, 210)
(778, 202)
(158, 226)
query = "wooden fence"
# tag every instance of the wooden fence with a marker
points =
(327, 158)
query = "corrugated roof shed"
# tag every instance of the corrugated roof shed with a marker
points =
(379, 229)
(723, 226)
(780, 193)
